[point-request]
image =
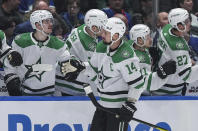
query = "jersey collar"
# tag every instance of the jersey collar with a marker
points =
(44, 43)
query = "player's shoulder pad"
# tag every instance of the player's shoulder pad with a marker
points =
(55, 43)
(101, 47)
(123, 52)
(175, 43)
(130, 42)
(23, 40)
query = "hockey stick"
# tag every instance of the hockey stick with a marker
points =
(89, 92)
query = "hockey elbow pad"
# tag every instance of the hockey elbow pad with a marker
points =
(15, 58)
(13, 84)
(167, 68)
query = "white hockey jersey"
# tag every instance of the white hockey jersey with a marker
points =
(117, 74)
(35, 52)
(81, 45)
(4, 48)
(176, 48)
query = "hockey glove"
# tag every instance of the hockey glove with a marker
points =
(71, 69)
(15, 59)
(167, 68)
(126, 111)
(13, 85)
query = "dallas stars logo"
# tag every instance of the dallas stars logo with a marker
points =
(142, 58)
(92, 46)
(180, 45)
(36, 74)
(102, 77)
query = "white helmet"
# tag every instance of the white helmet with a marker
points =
(95, 17)
(38, 16)
(115, 25)
(139, 30)
(178, 15)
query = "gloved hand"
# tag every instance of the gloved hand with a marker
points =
(126, 111)
(167, 68)
(13, 84)
(15, 58)
(71, 69)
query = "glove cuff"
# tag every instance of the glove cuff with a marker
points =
(161, 73)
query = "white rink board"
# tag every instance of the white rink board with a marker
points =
(52, 113)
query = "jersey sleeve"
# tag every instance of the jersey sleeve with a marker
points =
(132, 75)
(7, 67)
(63, 54)
(5, 49)
(154, 82)
(91, 67)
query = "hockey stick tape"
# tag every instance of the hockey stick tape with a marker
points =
(88, 90)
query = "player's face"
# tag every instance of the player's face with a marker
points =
(186, 23)
(106, 37)
(148, 41)
(95, 29)
(47, 26)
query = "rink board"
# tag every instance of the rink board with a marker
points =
(75, 113)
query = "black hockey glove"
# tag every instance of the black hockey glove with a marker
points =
(13, 85)
(15, 58)
(71, 69)
(126, 111)
(167, 68)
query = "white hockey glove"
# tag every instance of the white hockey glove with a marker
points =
(71, 69)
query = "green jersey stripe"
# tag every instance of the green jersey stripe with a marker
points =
(149, 82)
(139, 86)
(113, 100)
(168, 92)
(187, 76)
(69, 86)
(40, 94)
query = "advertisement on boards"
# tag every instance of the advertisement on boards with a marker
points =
(76, 115)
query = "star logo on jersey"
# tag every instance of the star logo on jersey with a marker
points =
(142, 58)
(102, 78)
(92, 46)
(36, 74)
(180, 45)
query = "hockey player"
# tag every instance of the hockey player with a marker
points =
(118, 78)
(141, 42)
(40, 53)
(172, 45)
(82, 43)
